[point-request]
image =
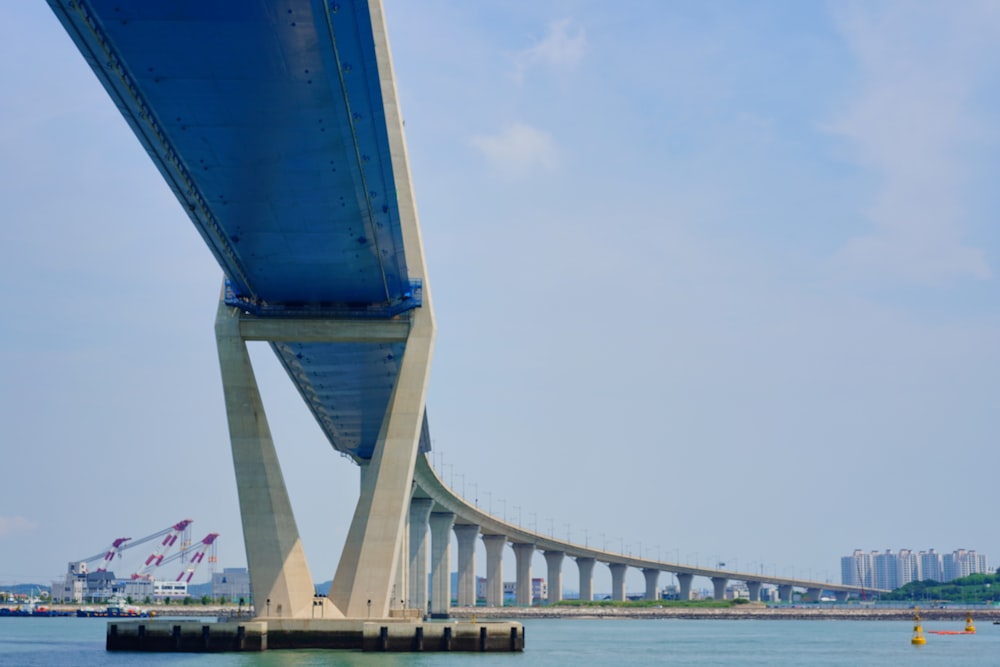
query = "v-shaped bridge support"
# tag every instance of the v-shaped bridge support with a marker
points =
(370, 565)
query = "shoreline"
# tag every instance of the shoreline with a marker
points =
(743, 612)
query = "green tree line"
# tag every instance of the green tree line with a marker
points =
(973, 588)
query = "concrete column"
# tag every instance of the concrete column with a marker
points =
(652, 576)
(841, 596)
(367, 567)
(586, 566)
(684, 583)
(277, 562)
(617, 580)
(719, 584)
(522, 558)
(553, 561)
(420, 512)
(785, 592)
(441, 523)
(466, 535)
(494, 569)
(754, 588)
(813, 594)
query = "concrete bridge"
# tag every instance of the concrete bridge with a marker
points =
(278, 128)
(436, 507)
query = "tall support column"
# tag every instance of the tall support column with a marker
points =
(367, 567)
(652, 576)
(785, 592)
(441, 523)
(813, 594)
(553, 561)
(617, 580)
(522, 558)
(586, 567)
(841, 596)
(754, 588)
(494, 569)
(279, 573)
(719, 587)
(684, 584)
(420, 513)
(466, 535)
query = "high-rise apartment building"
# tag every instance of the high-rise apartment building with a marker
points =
(890, 570)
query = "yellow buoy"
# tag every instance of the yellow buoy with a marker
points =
(969, 627)
(918, 630)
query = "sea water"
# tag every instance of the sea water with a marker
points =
(79, 642)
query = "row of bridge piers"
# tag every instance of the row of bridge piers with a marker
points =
(428, 522)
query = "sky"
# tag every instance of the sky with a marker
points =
(714, 282)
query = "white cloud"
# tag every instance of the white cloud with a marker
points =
(11, 525)
(911, 124)
(518, 149)
(563, 47)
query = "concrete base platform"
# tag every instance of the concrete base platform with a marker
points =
(391, 634)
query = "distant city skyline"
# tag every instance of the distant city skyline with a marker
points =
(888, 570)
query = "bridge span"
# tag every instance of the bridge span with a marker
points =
(277, 127)
(438, 507)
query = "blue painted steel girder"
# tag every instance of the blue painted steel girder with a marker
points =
(267, 121)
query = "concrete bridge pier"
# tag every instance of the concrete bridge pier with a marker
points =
(684, 582)
(494, 569)
(785, 592)
(652, 576)
(719, 586)
(522, 556)
(618, 580)
(420, 514)
(554, 560)
(466, 535)
(277, 562)
(754, 588)
(586, 567)
(441, 523)
(813, 594)
(841, 596)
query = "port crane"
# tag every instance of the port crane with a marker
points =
(121, 544)
(197, 553)
(155, 559)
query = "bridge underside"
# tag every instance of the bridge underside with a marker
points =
(277, 128)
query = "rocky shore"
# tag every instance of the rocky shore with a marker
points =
(742, 612)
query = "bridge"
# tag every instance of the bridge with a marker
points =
(278, 129)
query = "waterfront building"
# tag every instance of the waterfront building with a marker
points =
(886, 567)
(907, 568)
(892, 570)
(930, 565)
(856, 569)
(962, 563)
(233, 584)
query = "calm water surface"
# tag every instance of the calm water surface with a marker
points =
(48, 642)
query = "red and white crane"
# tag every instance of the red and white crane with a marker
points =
(108, 555)
(155, 559)
(124, 543)
(197, 555)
